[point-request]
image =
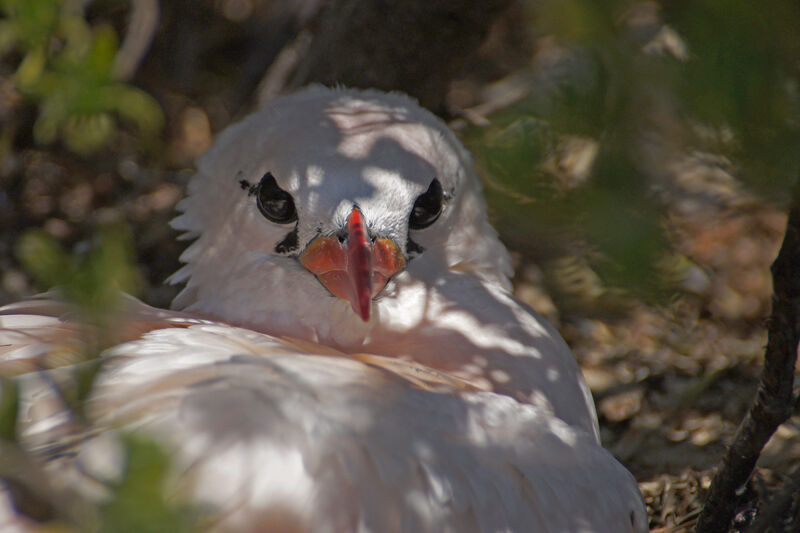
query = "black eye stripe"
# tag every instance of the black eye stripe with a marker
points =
(412, 248)
(288, 244)
(428, 207)
(274, 203)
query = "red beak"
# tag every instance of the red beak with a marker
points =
(357, 269)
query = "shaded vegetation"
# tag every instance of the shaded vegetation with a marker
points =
(66, 66)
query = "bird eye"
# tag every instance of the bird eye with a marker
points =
(273, 202)
(428, 207)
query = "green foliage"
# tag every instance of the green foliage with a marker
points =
(521, 147)
(139, 503)
(743, 77)
(623, 221)
(29, 24)
(91, 279)
(612, 213)
(736, 93)
(67, 68)
(9, 408)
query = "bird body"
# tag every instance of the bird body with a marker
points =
(348, 355)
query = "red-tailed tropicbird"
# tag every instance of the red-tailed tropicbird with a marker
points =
(348, 355)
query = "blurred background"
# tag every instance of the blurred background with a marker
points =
(638, 158)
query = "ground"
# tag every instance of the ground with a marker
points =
(672, 383)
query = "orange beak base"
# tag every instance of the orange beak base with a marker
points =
(357, 269)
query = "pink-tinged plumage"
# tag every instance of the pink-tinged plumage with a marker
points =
(441, 404)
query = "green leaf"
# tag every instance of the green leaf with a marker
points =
(9, 408)
(580, 20)
(67, 68)
(139, 503)
(100, 58)
(742, 78)
(78, 36)
(135, 105)
(31, 68)
(94, 279)
(85, 376)
(103, 274)
(514, 156)
(53, 112)
(35, 20)
(85, 134)
(9, 36)
(42, 256)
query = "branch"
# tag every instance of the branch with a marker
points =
(141, 29)
(414, 46)
(774, 400)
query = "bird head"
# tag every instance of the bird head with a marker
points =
(326, 204)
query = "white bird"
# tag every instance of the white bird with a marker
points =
(348, 355)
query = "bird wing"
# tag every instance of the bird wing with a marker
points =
(267, 431)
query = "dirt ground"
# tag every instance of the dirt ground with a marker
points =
(672, 383)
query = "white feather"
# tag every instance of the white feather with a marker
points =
(455, 408)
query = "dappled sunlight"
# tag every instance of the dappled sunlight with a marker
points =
(451, 405)
(637, 159)
(463, 328)
(322, 422)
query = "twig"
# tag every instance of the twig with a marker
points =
(774, 400)
(141, 28)
(275, 79)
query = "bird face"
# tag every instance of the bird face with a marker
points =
(351, 197)
(330, 196)
(355, 266)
